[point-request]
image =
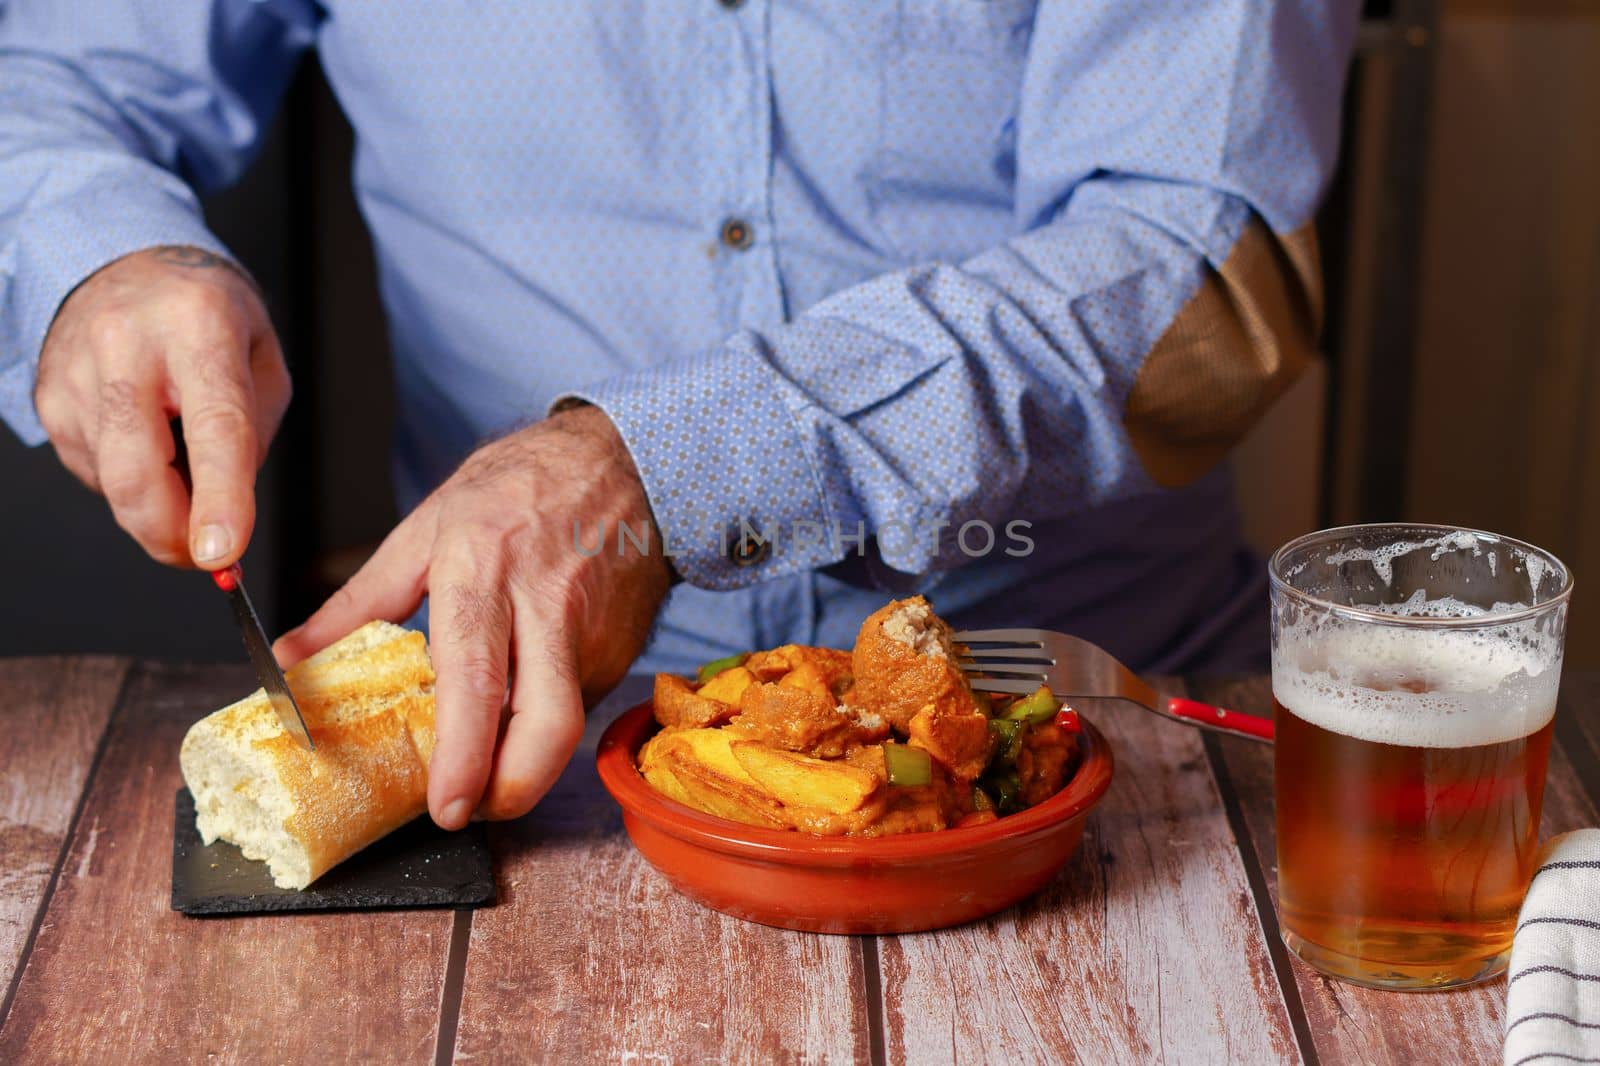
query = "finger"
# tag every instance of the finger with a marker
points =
(272, 391)
(63, 406)
(133, 462)
(218, 410)
(389, 586)
(81, 466)
(76, 457)
(470, 627)
(546, 718)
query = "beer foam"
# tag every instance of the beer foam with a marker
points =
(1419, 606)
(1477, 686)
(1382, 559)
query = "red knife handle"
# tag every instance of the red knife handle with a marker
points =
(1232, 721)
(228, 578)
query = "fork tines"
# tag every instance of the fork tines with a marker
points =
(1011, 660)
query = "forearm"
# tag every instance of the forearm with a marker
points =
(74, 196)
(1121, 348)
(107, 112)
(1160, 291)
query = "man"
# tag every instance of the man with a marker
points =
(818, 292)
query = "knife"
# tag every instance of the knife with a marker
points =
(231, 581)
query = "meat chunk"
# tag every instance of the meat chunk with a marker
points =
(921, 808)
(827, 666)
(1044, 761)
(797, 719)
(905, 660)
(961, 742)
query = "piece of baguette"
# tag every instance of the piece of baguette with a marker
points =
(368, 701)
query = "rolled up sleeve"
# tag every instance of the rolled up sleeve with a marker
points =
(111, 113)
(724, 460)
(55, 248)
(1161, 291)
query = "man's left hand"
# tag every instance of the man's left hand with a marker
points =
(514, 607)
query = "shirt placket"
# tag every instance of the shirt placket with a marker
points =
(751, 292)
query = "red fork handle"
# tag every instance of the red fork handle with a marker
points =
(1216, 717)
(228, 578)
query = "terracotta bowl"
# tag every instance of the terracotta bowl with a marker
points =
(896, 884)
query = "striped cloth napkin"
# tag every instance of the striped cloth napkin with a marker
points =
(1553, 995)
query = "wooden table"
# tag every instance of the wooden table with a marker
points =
(1158, 942)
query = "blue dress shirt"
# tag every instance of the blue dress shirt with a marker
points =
(866, 277)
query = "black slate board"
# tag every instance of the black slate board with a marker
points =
(419, 865)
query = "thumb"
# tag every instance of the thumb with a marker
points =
(389, 586)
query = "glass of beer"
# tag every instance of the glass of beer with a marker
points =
(1414, 678)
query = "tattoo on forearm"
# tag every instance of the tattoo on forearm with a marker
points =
(187, 255)
(184, 255)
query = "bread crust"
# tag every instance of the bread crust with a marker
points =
(369, 706)
(365, 780)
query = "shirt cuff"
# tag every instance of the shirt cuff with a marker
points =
(56, 249)
(727, 471)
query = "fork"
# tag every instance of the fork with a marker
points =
(1018, 661)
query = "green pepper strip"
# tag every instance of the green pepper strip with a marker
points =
(1007, 792)
(907, 766)
(716, 666)
(1014, 746)
(1036, 708)
(1006, 734)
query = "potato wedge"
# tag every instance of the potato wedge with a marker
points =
(807, 678)
(679, 706)
(709, 747)
(801, 781)
(650, 752)
(664, 781)
(823, 823)
(716, 794)
(696, 768)
(727, 686)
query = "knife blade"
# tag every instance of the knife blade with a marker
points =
(231, 581)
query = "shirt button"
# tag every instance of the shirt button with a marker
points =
(736, 234)
(748, 551)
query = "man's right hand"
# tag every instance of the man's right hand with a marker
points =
(171, 332)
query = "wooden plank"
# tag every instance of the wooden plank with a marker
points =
(1148, 948)
(1349, 1024)
(115, 976)
(591, 955)
(51, 720)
